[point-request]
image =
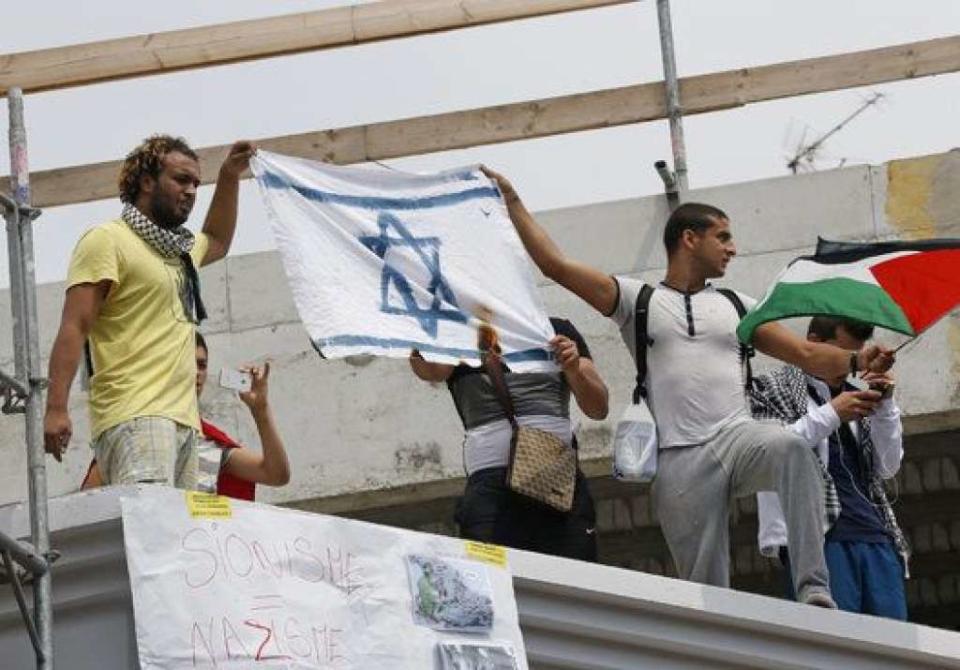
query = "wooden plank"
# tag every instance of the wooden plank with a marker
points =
(542, 118)
(161, 53)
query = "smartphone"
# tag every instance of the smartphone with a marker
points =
(236, 380)
(885, 390)
(857, 383)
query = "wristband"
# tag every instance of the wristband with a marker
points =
(854, 367)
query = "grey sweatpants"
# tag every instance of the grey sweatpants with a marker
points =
(695, 484)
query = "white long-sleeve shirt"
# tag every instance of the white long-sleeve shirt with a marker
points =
(815, 427)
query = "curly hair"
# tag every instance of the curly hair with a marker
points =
(147, 159)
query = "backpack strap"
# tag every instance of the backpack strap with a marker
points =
(641, 318)
(746, 350)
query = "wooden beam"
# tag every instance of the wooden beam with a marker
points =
(161, 53)
(542, 118)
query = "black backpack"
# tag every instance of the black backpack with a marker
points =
(642, 339)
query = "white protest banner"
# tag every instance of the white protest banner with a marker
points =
(382, 262)
(220, 583)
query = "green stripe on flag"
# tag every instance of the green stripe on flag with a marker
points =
(840, 296)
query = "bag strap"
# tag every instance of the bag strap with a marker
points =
(494, 368)
(641, 340)
(88, 358)
(746, 350)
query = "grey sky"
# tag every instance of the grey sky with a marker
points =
(473, 68)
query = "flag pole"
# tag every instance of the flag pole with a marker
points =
(910, 341)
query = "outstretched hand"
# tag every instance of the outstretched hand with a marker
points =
(874, 358)
(238, 158)
(566, 352)
(256, 397)
(510, 194)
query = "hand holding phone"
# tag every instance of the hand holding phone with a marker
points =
(882, 383)
(236, 380)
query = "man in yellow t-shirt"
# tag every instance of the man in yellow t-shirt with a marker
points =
(133, 295)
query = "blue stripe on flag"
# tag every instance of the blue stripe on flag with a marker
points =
(394, 343)
(273, 180)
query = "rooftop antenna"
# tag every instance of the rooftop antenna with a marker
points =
(806, 154)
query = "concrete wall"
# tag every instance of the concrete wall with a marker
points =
(363, 427)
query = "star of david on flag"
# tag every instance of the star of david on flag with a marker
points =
(383, 262)
(428, 251)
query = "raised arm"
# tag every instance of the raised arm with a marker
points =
(80, 310)
(597, 288)
(816, 358)
(429, 372)
(271, 466)
(221, 221)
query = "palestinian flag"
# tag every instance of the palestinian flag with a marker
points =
(901, 286)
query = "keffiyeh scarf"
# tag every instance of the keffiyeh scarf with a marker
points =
(782, 396)
(176, 243)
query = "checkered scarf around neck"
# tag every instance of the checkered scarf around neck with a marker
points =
(782, 396)
(176, 243)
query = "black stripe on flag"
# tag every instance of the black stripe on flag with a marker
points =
(830, 252)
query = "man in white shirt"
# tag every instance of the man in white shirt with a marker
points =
(857, 436)
(710, 447)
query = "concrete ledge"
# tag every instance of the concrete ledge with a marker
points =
(577, 615)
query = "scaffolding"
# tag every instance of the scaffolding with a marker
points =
(79, 65)
(22, 394)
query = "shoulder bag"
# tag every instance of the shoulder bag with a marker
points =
(541, 466)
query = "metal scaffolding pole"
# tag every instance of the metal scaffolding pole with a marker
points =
(26, 338)
(674, 112)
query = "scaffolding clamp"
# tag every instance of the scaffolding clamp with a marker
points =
(25, 213)
(670, 184)
(14, 393)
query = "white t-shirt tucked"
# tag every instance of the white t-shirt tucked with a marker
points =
(695, 379)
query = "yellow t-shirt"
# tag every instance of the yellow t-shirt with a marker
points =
(142, 343)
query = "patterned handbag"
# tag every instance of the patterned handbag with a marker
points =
(541, 467)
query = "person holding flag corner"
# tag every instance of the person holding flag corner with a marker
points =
(132, 304)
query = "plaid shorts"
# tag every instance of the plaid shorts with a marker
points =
(148, 449)
(211, 459)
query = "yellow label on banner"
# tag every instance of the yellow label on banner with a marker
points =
(488, 553)
(208, 505)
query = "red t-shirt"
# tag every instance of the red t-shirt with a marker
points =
(227, 484)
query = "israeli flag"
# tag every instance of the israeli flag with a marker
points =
(382, 262)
